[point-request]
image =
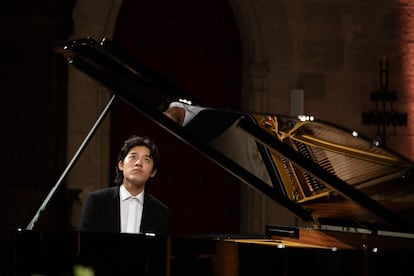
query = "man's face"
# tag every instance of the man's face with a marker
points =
(137, 167)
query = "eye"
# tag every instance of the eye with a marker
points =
(132, 157)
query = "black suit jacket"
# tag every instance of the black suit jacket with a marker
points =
(101, 213)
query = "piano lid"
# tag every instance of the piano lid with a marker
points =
(317, 170)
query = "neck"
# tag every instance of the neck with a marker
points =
(132, 189)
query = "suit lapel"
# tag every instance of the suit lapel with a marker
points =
(145, 218)
(114, 211)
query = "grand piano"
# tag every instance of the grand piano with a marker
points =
(353, 201)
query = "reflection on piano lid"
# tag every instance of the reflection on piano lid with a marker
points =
(317, 170)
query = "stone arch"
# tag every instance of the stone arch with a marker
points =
(85, 102)
(86, 99)
(254, 54)
(258, 210)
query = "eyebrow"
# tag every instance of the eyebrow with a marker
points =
(137, 153)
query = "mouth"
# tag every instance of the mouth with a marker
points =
(137, 171)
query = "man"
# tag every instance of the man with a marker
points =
(127, 207)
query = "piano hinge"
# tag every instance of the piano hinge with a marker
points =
(316, 222)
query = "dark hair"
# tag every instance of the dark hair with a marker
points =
(131, 142)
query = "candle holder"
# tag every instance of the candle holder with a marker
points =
(384, 114)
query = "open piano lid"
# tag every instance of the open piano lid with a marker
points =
(319, 171)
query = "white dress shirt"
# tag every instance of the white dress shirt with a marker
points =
(190, 111)
(131, 210)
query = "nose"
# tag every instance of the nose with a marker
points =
(138, 161)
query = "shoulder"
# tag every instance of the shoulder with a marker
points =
(153, 201)
(105, 192)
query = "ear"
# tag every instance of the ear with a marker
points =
(153, 173)
(121, 165)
